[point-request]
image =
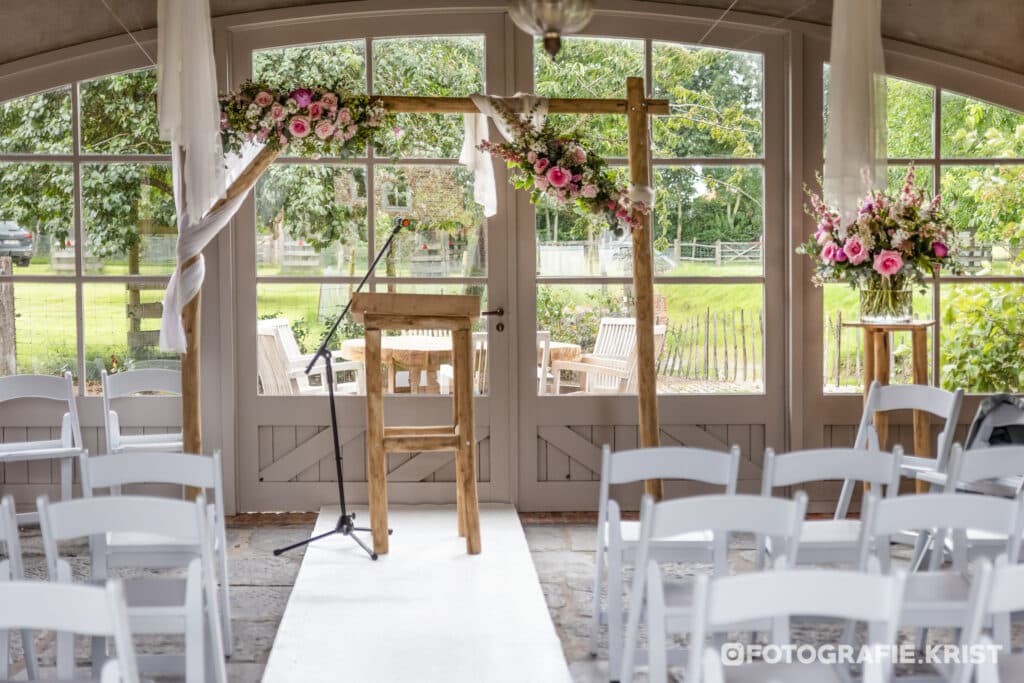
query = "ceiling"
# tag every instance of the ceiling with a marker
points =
(988, 31)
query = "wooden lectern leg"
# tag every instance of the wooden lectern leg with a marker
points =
(376, 458)
(460, 505)
(462, 352)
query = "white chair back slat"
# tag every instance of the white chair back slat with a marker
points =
(48, 387)
(84, 517)
(918, 512)
(979, 464)
(735, 513)
(940, 403)
(673, 462)
(829, 464)
(131, 382)
(106, 471)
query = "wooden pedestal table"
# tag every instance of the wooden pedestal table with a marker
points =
(380, 312)
(877, 351)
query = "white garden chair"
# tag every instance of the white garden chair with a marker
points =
(156, 604)
(938, 597)
(937, 402)
(281, 366)
(779, 596)
(617, 540)
(722, 515)
(612, 367)
(1000, 594)
(66, 448)
(97, 611)
(122, 385)
(836, 540)
(446, 371)
(12, 569)
(544, 361)
(149, 550)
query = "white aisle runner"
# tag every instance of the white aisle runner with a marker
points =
(424, 612)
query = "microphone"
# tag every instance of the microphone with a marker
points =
(401, 222)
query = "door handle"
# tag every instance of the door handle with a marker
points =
(499, 311)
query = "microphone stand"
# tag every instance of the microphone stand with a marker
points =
(346, 522)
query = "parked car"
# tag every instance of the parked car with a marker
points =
(15, 242)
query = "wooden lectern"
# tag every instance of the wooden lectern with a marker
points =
(383, 311)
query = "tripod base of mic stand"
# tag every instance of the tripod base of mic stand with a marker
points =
(345, 527)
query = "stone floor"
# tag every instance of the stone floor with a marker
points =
(563, 554)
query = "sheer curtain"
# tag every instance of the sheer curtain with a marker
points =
(855, 150)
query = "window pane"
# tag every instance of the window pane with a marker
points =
(570, 243)
(122, 329)
(311, 220)
(709, 336)
(36, 209)
(449, 235)
(922, 178)
(717, 101)
(985, 205)
(591, 67)
(129, 218)
(972, 128)
(910, 111)
(982, 328)
(843, 346)
(119, 115)
(37, 123)
(437, 66)
(42, 331)
(709, 220)
(341, 65)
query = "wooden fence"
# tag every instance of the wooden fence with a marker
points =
(715, 345)
(719, 252)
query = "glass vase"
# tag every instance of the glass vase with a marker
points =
(887, 300)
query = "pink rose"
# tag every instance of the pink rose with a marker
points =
(541, 165)
(344, 115)
(263, 98)
(589, 191)
(622, 214)
(840, 255)
(558, 176)
(315, 110)
(299, 126)
(324, 130)
(277, 112)
(940, 249)
(303, 97)
(828, 252)
(855, 250)
(329, 100)
(540, 182)
(531, 156)
(579, 155)
(888, 262)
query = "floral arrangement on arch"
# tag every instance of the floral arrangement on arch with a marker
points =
(310, 122)
(557, 165)
(895, 240)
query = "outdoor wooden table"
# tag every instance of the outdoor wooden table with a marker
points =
(422, 353)
(877, 344)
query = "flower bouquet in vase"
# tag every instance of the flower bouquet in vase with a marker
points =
(894, 241)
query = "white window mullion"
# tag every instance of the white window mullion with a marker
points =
(79, 232)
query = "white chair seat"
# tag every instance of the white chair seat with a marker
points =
(150, 442)
(631, 534)
(36, 450)
(123, 541)
(935, 599)
(826, 540)
(760, 672)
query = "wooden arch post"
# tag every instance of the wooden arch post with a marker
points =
(637, 109)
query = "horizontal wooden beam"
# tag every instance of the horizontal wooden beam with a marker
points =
(416, 443)
(464, 105)
(419, 429)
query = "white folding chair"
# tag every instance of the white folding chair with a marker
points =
(937, 402)
(122, 385)
(12, 569)
(937, 597)
(65, 449)
(721, 515)
(617, 540)
(88, 610)
(543, 361)
(1001, 593)
(836, 540)
(147, 550)
(157, 604)
(778, 596)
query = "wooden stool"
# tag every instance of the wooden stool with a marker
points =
(383, 311)
(877, 345)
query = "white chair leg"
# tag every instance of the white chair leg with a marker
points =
(615, 625)
(1001, 631)
(28, 646)
(5, 648)
(66, 478)
(98, 650)
(595, 616)
(65, 655)
(195, 640)
(657, 658)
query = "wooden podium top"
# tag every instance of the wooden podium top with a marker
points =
(386, 307)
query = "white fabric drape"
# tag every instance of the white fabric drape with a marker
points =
(484, 189)
(190, 119)
(855, 151)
